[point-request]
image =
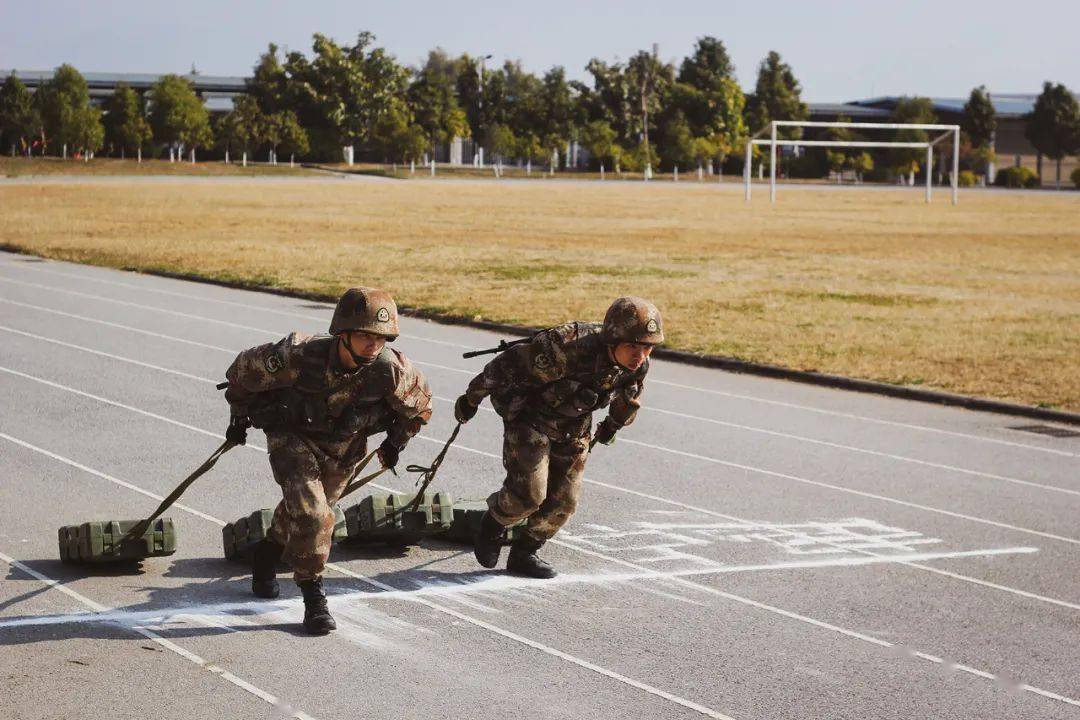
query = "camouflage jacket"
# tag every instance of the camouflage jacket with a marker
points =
(387, 394)
(556, 381)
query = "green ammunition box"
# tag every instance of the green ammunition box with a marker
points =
(237, 538)
(99, 542)
(466, 522)
(386, 518)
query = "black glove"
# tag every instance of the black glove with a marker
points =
(237, 430)
(464, 410)
(388, 454)
(605, 433)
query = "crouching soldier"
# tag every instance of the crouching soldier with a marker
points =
(546, 391)
(318, 398)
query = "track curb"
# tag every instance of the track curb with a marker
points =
(719, 362)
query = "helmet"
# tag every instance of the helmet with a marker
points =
(634, 320)
(368, 310)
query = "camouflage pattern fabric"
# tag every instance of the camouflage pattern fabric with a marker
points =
(543, 480)
(546, 391)
(312, 465)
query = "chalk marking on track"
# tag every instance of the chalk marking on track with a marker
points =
(617, 488)
(658, 381)
(434, 606)
(159, 640)
(705, 588)
(885, 498)
(901, 458)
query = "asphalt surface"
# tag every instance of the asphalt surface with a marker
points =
(749, 548)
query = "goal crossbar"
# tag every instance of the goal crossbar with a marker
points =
(773, 142)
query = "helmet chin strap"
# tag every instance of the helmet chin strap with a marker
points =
(358, 359)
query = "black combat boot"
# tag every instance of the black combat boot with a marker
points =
(264, 561)
(489, 541)
(317, 618)
(524, 561)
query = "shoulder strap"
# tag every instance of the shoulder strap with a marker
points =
(313, 361)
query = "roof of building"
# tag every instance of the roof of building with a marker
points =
(1006, 105)
(140, 81)
(850, 110)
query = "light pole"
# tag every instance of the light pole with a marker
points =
(480, 106)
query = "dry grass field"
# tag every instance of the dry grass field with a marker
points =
(22, 167)
(981, 299)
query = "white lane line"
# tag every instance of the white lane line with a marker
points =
(102, 353)
(876, 453)
(799, 438)
(865, 418)
(704, 588)
(617, 488)
(658, 381)
(852, 491)
(657, 692)
(159, 640)
(249, 306)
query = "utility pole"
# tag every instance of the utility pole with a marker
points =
(480, 106)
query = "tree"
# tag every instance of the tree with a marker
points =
(501, 141)
(610, 100)
(1053, 126)
(557, 107)
(917, 110)
(293, 138)
(648, 80)
(979, 120)
(126, 127)
(601, 141)
(269, 83)
(677, 147)
(245, 125)
(64, 104)
(178, 117)
(433, 100)
(18, 117)
(777, 96)
(397, 137)
(708, 66)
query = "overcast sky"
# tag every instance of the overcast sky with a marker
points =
(840, 50)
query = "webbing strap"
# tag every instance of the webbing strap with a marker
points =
(355, 484)
(142, 526)
(427, 474)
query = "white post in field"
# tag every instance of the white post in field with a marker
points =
(929, 169)
(955, 164)
(747, 169)
(772, 166)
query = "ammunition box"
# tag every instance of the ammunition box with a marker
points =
(466, 522)
(99, 542)
(238, 538)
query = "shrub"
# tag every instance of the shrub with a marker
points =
(1075, 177)
(1016, 177)
(966, 179)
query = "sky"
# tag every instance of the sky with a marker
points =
(839, 49)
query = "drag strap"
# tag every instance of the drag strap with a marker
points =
(143, 525)
(355, 484)
(427, 474)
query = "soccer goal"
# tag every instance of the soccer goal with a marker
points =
(773, 142)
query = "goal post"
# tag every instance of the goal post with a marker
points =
(774, 142)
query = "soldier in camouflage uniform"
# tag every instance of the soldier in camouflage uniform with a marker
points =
(318, 398)
(546, 391)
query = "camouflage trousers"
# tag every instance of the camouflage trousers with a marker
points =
(311, 480)
(543, 480)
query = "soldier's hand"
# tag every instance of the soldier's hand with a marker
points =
(237, 430)
(464, 410)
(388, 454)
(605, 433)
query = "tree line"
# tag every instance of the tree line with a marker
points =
(628, 115)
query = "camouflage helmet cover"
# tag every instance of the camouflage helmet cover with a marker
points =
(368, 310)
(635, 320)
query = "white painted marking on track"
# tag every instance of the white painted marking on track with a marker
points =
(212, 668)
(434, 606)
(617, 488)
(658, 381)
(608, 673)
